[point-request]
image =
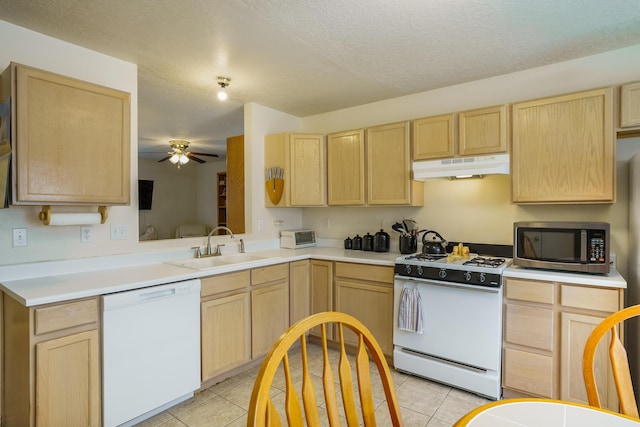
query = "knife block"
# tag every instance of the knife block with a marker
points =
(274, 188)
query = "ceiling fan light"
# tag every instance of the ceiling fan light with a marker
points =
(175, 158)
(223, 82)
(183, 159)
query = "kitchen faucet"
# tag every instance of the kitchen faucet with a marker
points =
(207, 249)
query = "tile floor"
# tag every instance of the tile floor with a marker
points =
(423, 403)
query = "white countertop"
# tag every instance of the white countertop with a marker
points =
(611, 280)
(55, 281)
(86, 278)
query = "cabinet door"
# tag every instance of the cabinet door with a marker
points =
(483, 131)
(434, 137)
(388, 165)
(307, 177)
(630, 105)
(299, 291)
(321, 290)
(528, 372)
(345, 168)
(576, 329)
(68, 381)
(71, 140)
(372, 304)
(226, 333)
(563, 149)
(269, 317)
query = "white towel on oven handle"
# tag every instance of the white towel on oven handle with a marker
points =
(410, 317)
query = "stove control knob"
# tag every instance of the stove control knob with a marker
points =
(407, 269)
(442, 273)
(420, 271)
(467, 276)
(482, 278)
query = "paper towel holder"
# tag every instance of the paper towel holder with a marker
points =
(45, 214)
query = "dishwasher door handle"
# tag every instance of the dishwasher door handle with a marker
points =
(157, 294)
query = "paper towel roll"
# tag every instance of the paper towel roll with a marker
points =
(75, 218)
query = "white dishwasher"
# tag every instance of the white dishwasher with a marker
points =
(151, 350)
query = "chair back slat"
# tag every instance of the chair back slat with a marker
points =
(618, 360)
(308, 393)
(346, 383)
(292, 404)
(263, 412)
(328, 384)
(272, 417)
(622, 375)
(364, 384)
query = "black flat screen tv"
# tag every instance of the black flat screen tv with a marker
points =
(145, 194)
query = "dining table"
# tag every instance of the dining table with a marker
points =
(532, 412)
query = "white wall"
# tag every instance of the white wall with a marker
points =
(49, 242)
(260, 121)
(480, 210)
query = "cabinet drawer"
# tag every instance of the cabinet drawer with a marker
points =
(372, 273)
(62, 316)
(527, 290)
(529, 326)
(528, 372)
(268, 274)
(224, 283)
(590, 298)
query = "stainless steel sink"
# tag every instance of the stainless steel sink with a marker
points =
(217, 261)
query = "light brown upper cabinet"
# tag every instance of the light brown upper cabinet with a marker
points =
(71, 139)
(630, 105)
(388, 164)
(483, 131)
(346, 168)
(302, 158)
(434, 137)
(563, 149)
(469, 133)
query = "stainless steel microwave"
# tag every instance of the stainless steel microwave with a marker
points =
(567, 246)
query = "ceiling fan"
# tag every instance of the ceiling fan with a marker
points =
(179, 154)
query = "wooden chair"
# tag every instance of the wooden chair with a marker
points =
(262, 411)
(619, 362)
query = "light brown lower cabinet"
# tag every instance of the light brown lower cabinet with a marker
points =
(225, 323)
(53, 357)
(299, 290)
(269, 306)
(321, 291)
(366, 293)
(546, 326)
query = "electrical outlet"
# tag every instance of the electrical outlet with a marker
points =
(19, 237)
(118, 232)
(260, 225)
(326, 223)
(86, 234)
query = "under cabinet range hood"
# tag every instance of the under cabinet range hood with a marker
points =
(461, 167)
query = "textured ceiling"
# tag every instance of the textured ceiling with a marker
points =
(307, 57)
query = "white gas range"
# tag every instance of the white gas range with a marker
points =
(459, 338)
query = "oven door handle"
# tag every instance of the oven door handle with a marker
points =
(476, 288)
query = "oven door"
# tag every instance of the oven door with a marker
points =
(462, 323)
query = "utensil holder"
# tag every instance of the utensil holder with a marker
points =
(408, 244)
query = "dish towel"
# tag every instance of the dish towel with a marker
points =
(410, 311)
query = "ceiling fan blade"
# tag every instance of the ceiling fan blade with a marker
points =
(196, 159)
(166, 158)
(204, 154)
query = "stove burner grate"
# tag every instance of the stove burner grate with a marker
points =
(426, 257)
(485, 262)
